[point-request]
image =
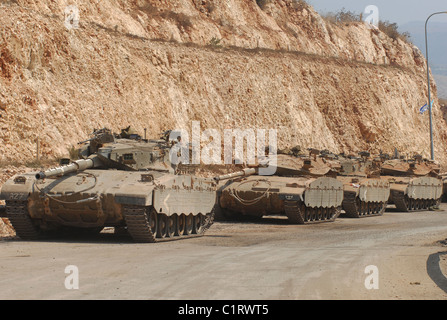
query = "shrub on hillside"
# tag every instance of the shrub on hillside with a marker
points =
(342, 16)
(391, 30)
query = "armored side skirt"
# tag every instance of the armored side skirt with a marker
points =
(419, 193)
(365, 197)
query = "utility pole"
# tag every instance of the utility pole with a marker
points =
(432, 151)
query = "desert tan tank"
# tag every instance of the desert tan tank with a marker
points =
(365, 193)
(444, 187)
(303, 188)
(415, 183)
(122, 183)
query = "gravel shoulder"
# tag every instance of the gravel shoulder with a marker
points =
(261, 260)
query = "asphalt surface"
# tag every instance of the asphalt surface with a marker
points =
(395, 256)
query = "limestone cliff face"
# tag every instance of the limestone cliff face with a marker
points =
(228, 64)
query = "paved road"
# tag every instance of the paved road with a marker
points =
(266, 260)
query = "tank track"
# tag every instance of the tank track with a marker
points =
(146, 226)
(405, 204)
(298, 213)
(17, 213)
(355, 208)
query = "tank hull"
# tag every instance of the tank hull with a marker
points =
(302, 200)
(364, 197)
(415, 193)
(165, 205)
(444, 188)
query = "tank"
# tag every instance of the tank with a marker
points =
(121, 183)
(303, 188)
(444, 187)
(365, 193)
(415, 183)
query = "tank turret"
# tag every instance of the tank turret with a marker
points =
(417, 166)
(365, 194)
(97, 140)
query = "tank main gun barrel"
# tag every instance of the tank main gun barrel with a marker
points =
(78, 165)
(85, 141)
(243, 173)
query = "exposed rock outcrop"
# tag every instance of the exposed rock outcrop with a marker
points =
(228, 64)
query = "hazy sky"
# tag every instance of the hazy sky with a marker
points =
(399, 11)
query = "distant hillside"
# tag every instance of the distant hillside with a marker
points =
(441, 82)
(437, 44)
(437, 39)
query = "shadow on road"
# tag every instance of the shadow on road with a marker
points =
(435, 272)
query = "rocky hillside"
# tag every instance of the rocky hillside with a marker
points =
(228, 64)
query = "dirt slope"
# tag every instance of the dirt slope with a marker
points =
(153, 64)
